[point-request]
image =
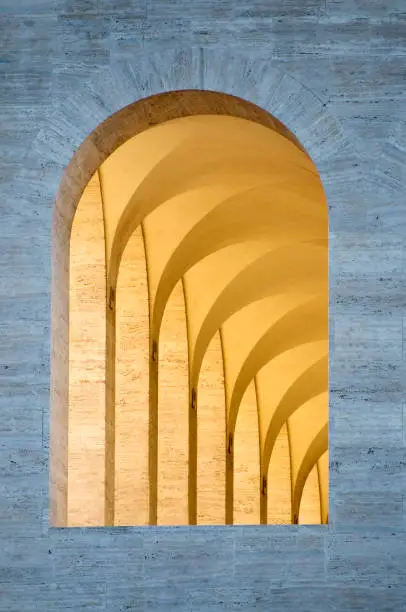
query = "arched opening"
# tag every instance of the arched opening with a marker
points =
(207, 270)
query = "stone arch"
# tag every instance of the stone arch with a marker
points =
(190, 69)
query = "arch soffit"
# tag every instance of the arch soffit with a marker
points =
(80, 137)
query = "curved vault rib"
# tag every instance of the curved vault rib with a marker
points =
(168, 175)
(314, 317)
(192, 414)
(310, 258)
(311, 382)
(259, 318)
(160, 166)
(283, 386)
(177, 217)
(171, 223)
(318, 448)
(156, 151)
(322, 471)
(222, 198)
(284, 279)
(284, 270)
(275, 340)
(231, 222)
(244, 224)
(146, 198)
(309, 508)
(260, 345)
(308, 432)
(237, 255)
(177, 170)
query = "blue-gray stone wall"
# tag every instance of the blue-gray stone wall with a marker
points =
(334, 71)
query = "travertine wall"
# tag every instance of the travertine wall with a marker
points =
(333, 72)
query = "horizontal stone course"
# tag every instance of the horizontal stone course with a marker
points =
(334, 73)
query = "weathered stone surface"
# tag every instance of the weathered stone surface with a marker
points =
(334, 73)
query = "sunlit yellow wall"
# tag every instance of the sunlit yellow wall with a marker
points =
(310, 503)
(87, 324)
(278, 482)
(210, 438)
(246, 461)
(173, 415)
(132, 324)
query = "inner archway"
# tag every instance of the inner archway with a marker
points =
(205, 225)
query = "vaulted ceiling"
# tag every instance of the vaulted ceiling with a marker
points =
(207, 239)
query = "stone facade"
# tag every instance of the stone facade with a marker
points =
(334, 72)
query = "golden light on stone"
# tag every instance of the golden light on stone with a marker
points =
(198, 330)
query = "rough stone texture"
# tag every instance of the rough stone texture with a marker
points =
(333, 71)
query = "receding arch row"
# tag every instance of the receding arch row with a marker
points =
(255, 244)
(211, 239)
(123, 336)
(147, 201)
